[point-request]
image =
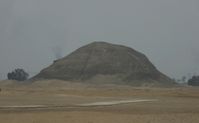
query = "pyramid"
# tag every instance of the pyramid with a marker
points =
(101, 62)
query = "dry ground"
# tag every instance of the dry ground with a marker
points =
(173, 105)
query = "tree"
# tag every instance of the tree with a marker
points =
(18, 74)
(194, 81)
(184, 78)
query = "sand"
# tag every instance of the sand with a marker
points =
(74, 103)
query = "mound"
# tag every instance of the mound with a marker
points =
(102, 62)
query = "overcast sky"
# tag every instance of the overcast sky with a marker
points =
(167, 31)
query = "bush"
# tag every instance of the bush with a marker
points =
(194, 81)
(18, 74)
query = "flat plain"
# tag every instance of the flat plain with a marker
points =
(56, 101)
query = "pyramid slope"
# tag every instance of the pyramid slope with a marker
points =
(105, 63)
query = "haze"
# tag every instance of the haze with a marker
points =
(167, 31)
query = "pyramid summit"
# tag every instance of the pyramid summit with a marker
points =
(101, 62)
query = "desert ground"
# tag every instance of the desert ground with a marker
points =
(55, 101)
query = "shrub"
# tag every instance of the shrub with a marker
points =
(18, 74)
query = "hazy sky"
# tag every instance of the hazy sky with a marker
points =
(167, 31)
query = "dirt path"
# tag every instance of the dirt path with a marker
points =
(117, 102)
(58, 107)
